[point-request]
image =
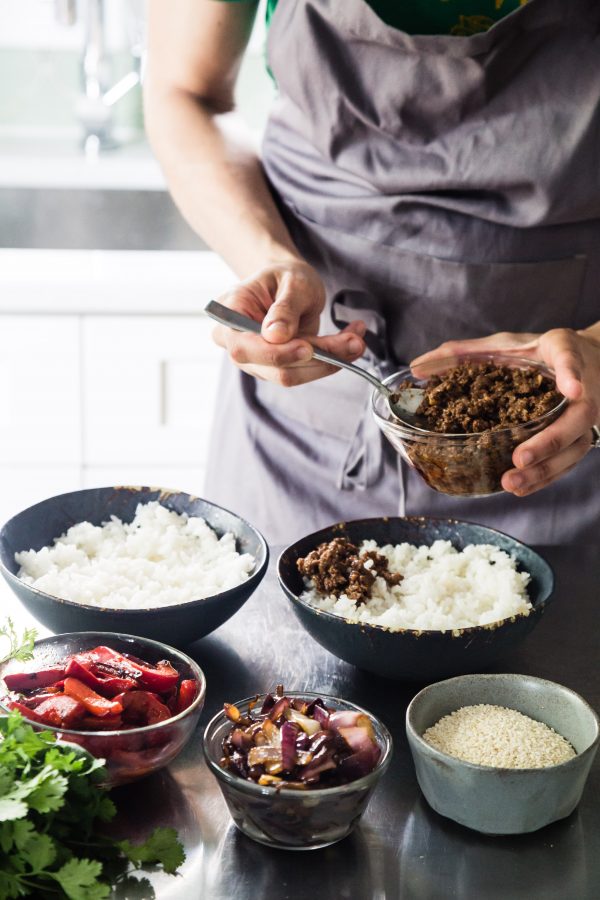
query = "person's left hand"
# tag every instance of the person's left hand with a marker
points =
(575, 358)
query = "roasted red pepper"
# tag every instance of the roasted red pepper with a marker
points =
(93, 702)
(59, 710)
(25, 711)
(103, 660)
(108, 662)
(29, 681)
(143, 708)
(159, 678)
(34, 700)
(187, 694)
(106, 685)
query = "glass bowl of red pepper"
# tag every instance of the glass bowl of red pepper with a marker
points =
(132, 701)
(296, 770)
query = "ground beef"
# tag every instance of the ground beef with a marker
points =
(476, 397)
(477, 413)
(338, 567)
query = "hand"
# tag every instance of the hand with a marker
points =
(288, 299)
(575, 358)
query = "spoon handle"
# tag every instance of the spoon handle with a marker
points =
(232, 319)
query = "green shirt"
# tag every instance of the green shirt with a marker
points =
(461, 17)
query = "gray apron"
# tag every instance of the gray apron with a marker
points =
(444, 188)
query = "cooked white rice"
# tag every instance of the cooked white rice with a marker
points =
(161, 558)
(443, 589)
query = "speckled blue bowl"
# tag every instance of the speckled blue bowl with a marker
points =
(495, 800)
(178, 625)
(404, 653)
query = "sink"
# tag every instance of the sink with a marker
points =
(92, 219)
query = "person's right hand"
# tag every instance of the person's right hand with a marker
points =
(288, 298)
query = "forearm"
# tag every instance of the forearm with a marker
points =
(216, 180)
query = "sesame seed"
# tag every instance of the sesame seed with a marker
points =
(496, 736)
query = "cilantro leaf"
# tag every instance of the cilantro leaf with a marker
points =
(6, 836)
(12, 807)
(79, 880)
(39, 852)
(106, 809)
(20, 649)
(6, 780)
(10, 886)
(45, 791)
(133, 888)
(21, 832)
(161, 847)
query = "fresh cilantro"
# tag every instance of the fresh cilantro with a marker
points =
(12, 807)
(52, 843)
(161, 847)
(38, 852)
(20, 649)
(132, 887)
(10, 886)
(79, 880)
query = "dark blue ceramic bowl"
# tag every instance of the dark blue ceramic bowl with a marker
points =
(177, 625)
(407, 654)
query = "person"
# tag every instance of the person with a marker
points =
(416, 194)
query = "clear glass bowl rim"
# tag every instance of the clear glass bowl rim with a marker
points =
(127, 732)
(415, 434)
(259, 790)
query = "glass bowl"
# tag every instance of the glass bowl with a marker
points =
(131, 753)
(287, 818)
(463, 465)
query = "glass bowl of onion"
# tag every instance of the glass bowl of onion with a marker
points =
(296, 770)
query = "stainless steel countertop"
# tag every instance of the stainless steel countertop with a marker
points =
(401, 849)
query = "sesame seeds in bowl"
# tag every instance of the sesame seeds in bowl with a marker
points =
(490, 735)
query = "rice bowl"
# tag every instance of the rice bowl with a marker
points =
(178, 624)
(417, 654)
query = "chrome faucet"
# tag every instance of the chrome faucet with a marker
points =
(98, 97)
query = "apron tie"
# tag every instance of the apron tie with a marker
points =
(363, 465)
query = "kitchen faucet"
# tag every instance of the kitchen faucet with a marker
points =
(98, 97)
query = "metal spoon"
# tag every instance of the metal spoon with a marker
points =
(402, 405)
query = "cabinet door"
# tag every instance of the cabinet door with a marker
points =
(22, 486)
(149, 386)
(39, 391)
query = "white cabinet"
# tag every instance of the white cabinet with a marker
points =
(22, 486)
(108, 373)
(40, 409)
(40, 415)
(149, 386)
